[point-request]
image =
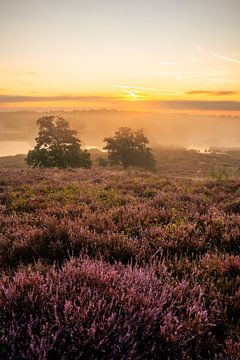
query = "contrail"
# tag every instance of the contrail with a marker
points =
(226, 58)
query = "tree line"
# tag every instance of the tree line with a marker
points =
(58, 146)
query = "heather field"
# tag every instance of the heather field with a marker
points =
(100, 264)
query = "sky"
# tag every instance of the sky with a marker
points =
(139, 55)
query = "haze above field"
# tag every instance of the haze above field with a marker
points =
(18, 129)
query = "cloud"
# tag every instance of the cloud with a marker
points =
(225, 58)
(119, 102)
(6, 99)
(133, 87)
(212, 93)
(131, 93)
(143, 89)
(198, 48)
(23, 73)
(18, 73)
(196, 105)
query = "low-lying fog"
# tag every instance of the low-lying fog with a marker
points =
(18, 129)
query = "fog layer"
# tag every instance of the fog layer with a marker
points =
(18, 129)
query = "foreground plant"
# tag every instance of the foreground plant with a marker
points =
(155, 273)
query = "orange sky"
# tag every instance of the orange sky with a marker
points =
(138, 55)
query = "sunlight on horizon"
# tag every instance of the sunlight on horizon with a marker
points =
(71, 55)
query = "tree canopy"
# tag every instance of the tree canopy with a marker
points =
(57, 146)
(129, 148)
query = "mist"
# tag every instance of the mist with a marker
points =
(18, 129)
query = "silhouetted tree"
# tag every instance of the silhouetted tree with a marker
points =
(129, 148)
(102, 162)
(57, 146)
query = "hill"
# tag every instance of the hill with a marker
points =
(13, 161)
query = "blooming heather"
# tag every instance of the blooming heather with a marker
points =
(118, 265)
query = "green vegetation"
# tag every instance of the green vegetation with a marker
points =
(13, 161)
(129, 148)
(169, 162)
(57, 146)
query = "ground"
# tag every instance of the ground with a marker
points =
(101, 264)
(220, 163)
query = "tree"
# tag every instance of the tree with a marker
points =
(57, 146)
(128, 148)
(102, 162)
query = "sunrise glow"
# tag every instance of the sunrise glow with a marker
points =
(161, 56)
